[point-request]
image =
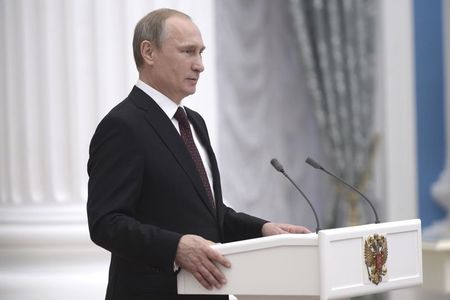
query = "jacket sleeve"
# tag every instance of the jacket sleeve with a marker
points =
(240, 226)
(115, 169)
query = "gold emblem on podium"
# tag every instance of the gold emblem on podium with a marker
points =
(375, 255)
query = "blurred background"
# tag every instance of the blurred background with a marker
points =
(358, 85)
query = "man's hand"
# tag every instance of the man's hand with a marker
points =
(195, 255)
(276, 228)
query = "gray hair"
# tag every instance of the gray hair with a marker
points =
(152, 28)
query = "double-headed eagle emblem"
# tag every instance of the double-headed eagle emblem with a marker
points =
(375, 255)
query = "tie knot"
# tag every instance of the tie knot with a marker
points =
(181, 117)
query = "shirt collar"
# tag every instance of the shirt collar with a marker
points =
(168, 106)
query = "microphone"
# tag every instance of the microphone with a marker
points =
(316, 165)
(276, 164)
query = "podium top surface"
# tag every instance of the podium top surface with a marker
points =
(309, 239)
(368, 228)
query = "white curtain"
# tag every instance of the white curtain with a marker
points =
(264, 112)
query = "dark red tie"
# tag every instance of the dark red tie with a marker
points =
(186, 135)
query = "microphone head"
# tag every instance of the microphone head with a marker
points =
(313, 163)
(276, 164)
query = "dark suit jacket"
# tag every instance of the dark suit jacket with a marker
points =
(144, 193)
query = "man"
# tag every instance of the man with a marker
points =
(154, 195)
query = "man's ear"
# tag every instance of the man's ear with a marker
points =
(147, 52)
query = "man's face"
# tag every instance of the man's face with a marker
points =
(178, 64)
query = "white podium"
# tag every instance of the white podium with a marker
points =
(333, 264)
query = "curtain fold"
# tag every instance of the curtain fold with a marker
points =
(336, 43)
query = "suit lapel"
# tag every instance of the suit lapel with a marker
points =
(163, 126)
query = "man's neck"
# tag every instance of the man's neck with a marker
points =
(152, 84)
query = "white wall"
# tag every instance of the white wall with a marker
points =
(397, 99)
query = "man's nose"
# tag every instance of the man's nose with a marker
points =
(198, 65)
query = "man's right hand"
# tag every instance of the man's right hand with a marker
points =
(195, 255)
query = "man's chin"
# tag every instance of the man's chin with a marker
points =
(190, 91)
